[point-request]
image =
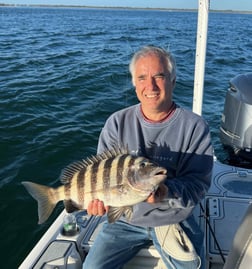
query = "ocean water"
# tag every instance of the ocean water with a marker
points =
(63, 71)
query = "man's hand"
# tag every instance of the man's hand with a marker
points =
(97, 208)
(158, 195)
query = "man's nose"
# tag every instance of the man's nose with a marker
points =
(151, 83)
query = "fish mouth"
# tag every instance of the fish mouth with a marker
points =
(160, 173)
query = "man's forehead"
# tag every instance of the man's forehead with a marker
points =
(151, 59)
(151, 65)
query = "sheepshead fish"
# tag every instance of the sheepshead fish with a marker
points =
(115, 177)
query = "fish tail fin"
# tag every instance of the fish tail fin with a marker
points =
(45, 196)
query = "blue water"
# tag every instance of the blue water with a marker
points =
(64, 71)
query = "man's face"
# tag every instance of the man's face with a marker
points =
(153, 85)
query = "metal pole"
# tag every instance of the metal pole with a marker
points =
(203, 9)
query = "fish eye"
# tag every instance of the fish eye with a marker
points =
(142, 164)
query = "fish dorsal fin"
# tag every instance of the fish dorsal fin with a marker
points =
(68, 172)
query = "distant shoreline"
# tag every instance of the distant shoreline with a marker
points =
(122, 8)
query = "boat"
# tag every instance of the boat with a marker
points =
(225, 214)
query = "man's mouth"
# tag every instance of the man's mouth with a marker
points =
(154, 95)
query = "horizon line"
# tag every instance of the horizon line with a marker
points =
(122, 7)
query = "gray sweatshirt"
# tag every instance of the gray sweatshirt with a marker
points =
(181, 144)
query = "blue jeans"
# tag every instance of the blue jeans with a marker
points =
(117, 243)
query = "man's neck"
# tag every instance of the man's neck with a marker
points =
(159, 116)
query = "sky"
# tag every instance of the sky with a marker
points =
(244, 5)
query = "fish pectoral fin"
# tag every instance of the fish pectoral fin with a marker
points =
(128, 211)
(114, 213)
(71, 206)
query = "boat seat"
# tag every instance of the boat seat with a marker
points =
(240, 254)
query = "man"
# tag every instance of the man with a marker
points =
(177, 139)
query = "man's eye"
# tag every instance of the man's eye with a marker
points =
(160, 77)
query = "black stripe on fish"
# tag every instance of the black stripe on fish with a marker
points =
(132, 161)
(130, 164)
(119, 168)
(81, 185)
(93, 177)
(106, 176)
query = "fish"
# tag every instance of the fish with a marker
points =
(114, 176)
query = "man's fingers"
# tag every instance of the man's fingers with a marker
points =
(100, 208)
(90, 208)
(151, 199)
(96, 207)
